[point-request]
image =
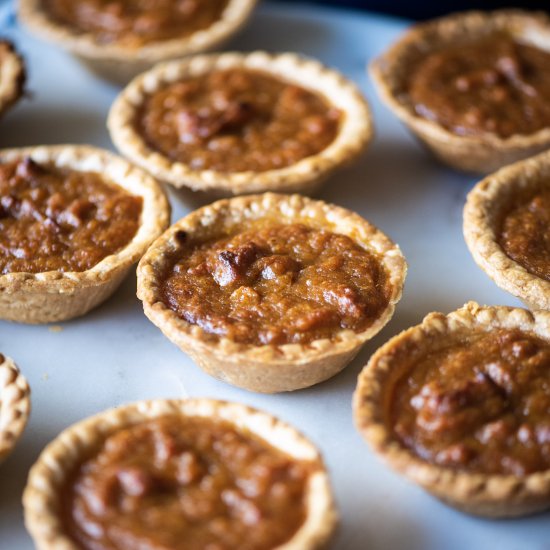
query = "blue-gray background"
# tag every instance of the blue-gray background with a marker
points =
(423, 9)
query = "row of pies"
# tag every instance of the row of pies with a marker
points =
(458, 404)
(269, 292)
(471, 86)
(278, 292)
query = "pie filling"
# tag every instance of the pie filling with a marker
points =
(492, 85)
(482, 404)
(57, 219)
(236, 121)
(274, 283)
(134, 23)
(525, 234)
(185, 483)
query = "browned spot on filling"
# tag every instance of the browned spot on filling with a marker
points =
(134, 23)
(273, 283)
(525, 234)
(491, 85)
(57, 219)
(185, 484)
(237, 120)
(482, 403)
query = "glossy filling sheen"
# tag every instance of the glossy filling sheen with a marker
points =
(57, 219)
(186, 484)
(272, 283)
(136, 22)
(493, 85)
(237, 120)
(525, 234)
(481, 404)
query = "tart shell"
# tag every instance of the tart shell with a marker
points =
(485, 207)
(305, 176)
(120, 64)
(53, 468)
(12, 76)
(478, 154)
(475, 493)
(55, 296)
(15, 405)
(267, 368)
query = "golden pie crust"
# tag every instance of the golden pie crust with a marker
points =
(54, 296)
(120, 63)
(485, 207)
(15, 405)
(12, 76)
(306, 175)
(267, 368)
(474, 493)
(47, 477)
(482, 153)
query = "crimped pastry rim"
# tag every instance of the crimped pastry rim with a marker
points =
(446, 30)
(485, 204)
(467, 490)
(41, 499)
(36, 17)
(12, 76)
(155, 215)
(354, 134)
(14, 413)
(287, 207)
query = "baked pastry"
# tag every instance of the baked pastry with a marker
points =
(460, 404)
(12, 76)
(271, 292)
(240, 123)
(507, 229)
(472, 86)
(121, 38)
(73, 220)
(177, 474)
(15, 405)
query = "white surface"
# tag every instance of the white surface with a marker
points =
(114, 355)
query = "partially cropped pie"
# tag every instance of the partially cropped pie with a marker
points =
(460, 404)
(271, 292)
(12, 76)
(120, 38)
(473, 86)
(180, 475)
(15, 405)
(73, 220)
(237, 123)
(507, 229)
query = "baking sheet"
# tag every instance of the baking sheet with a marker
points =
(115, 355)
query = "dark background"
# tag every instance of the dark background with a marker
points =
(423, 9)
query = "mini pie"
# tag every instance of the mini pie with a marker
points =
(119, 39)
(472, 86)
(460, 404)
(271, 292)
(73, 220)
(507, 229)
(12, 76)
(190, 474)
(15, 405)
(240, 123)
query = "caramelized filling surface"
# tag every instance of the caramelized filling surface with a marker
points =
(135, 23)
(481, 403)
(57, 219)
(273, 283)
(185, 484)
(492, 85)
(237, 120)
(525, 234)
